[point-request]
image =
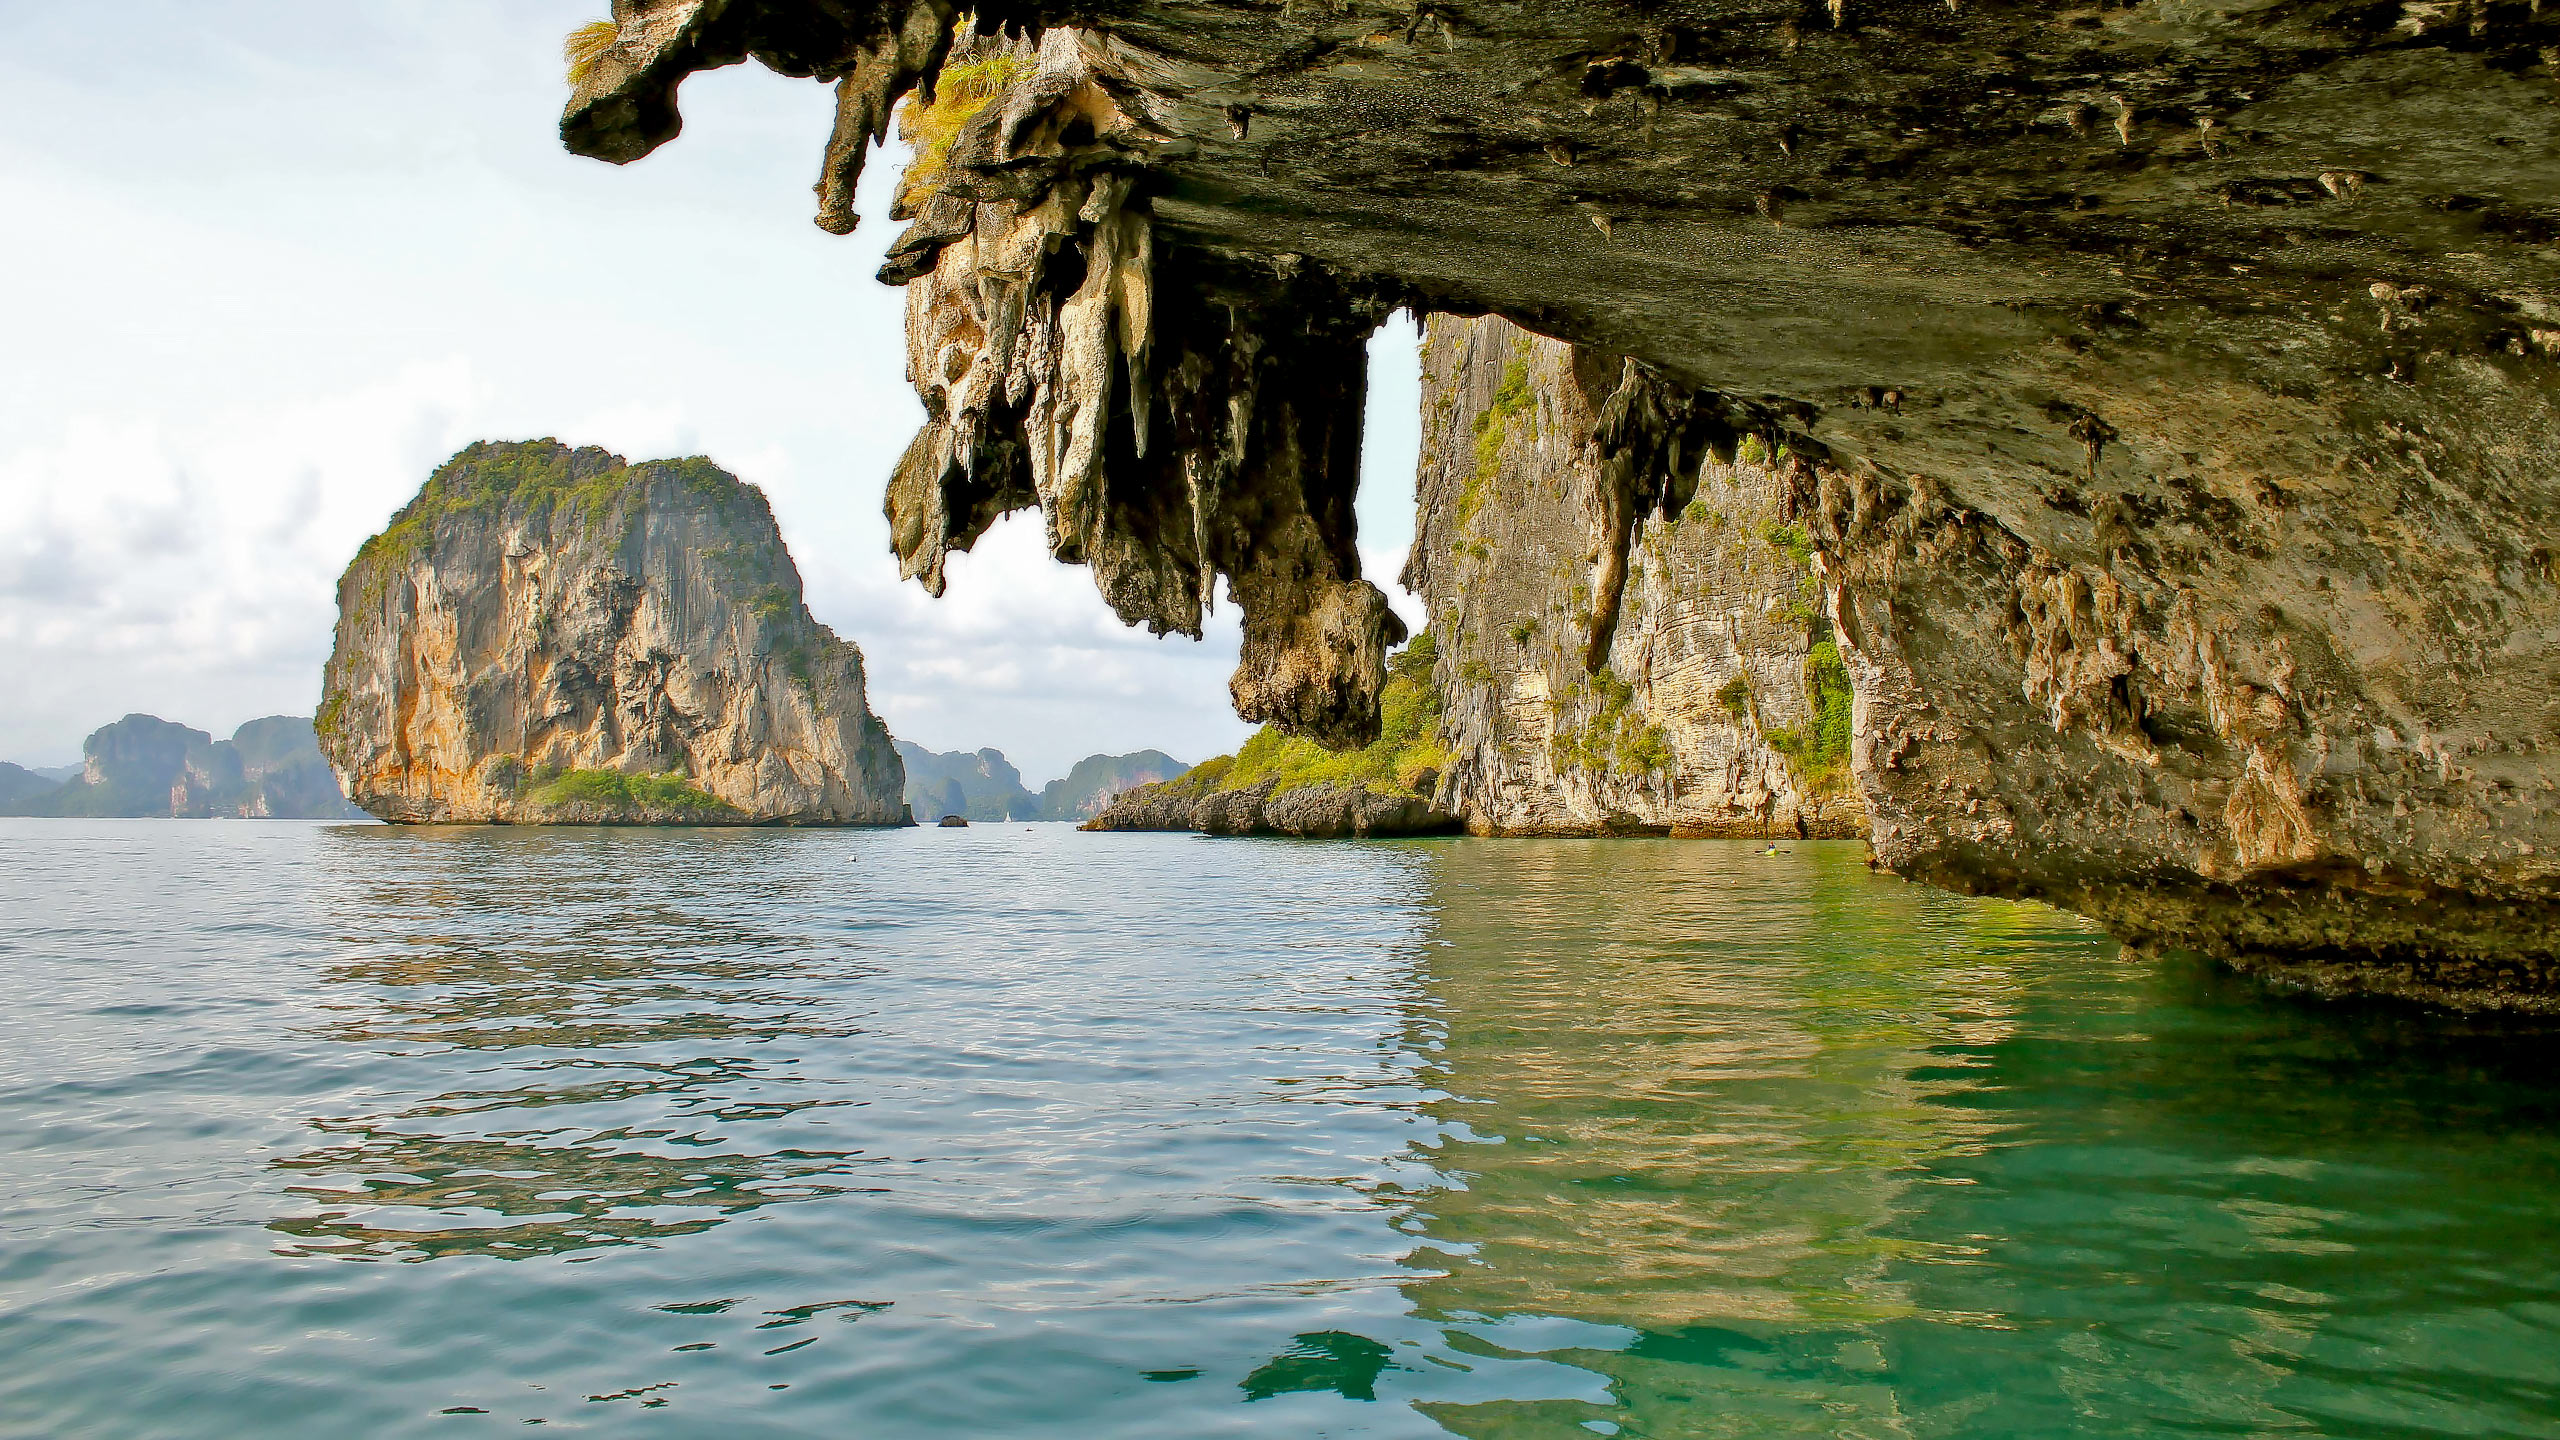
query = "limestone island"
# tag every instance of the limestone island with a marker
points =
(548, 635)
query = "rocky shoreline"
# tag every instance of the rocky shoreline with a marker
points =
(1314, 812)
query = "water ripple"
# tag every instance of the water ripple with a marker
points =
(329, 1130)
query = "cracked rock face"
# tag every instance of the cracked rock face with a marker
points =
(1705, 715)
(2166, 387)
(540, 612)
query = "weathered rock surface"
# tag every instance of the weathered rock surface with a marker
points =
(548, 635)
(2168, 386)
(145, 767)
(1719, 709)
(1316, 812)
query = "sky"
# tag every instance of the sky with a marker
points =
(271, 262)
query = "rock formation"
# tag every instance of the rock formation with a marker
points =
(2166, 388)
(1089, 787)
(548, 635)
(1279, 784)
(983, 785)
(1721, 706)
(144, 767)
(975, 785)
(285, 776)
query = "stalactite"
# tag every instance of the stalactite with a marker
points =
(866, 97)
(1227, 444)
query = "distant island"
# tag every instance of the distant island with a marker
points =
(549, 635)
(983, 785)
(144, 767)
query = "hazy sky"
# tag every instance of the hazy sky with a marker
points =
(268, 263)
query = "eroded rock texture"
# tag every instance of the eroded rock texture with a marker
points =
(548, 635)
(2168, 385)
(1707, 712)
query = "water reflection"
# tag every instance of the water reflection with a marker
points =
(618, 988)
(1770, 1146)
(995, 1133)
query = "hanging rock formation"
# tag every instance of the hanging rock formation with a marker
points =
(2166, 388)
(548, 635)
(1719, 707)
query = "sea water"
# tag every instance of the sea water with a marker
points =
(314, 1130)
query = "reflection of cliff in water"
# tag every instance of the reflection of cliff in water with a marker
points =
(1767, 1145)
(1684, 1084)
(620, 1016)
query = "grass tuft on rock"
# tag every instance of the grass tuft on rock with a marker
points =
(929, 130)
(587, 46)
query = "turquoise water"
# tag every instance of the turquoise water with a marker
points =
(335, 1131)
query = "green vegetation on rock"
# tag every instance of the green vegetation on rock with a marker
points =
(1736, 695)
(1792, 540)
(1493, 429)
(1613, 735)
(1405, 759)
(1819, 753)
(929, 130)
(539, 478)
(613, 790)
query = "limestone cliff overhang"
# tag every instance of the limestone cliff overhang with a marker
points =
(2170, 384)
(2193, 254)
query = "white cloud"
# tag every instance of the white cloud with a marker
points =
(292, 255)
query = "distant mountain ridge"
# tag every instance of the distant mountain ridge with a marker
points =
(977, 785)
(143, 767)
(982, 785)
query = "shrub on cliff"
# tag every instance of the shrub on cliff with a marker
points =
(539, 478)
(1405, 759)
(1819, 752)
(628, 794)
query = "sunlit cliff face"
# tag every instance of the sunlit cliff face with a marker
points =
(2167, 387)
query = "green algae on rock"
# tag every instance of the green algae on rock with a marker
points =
(553, 636)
